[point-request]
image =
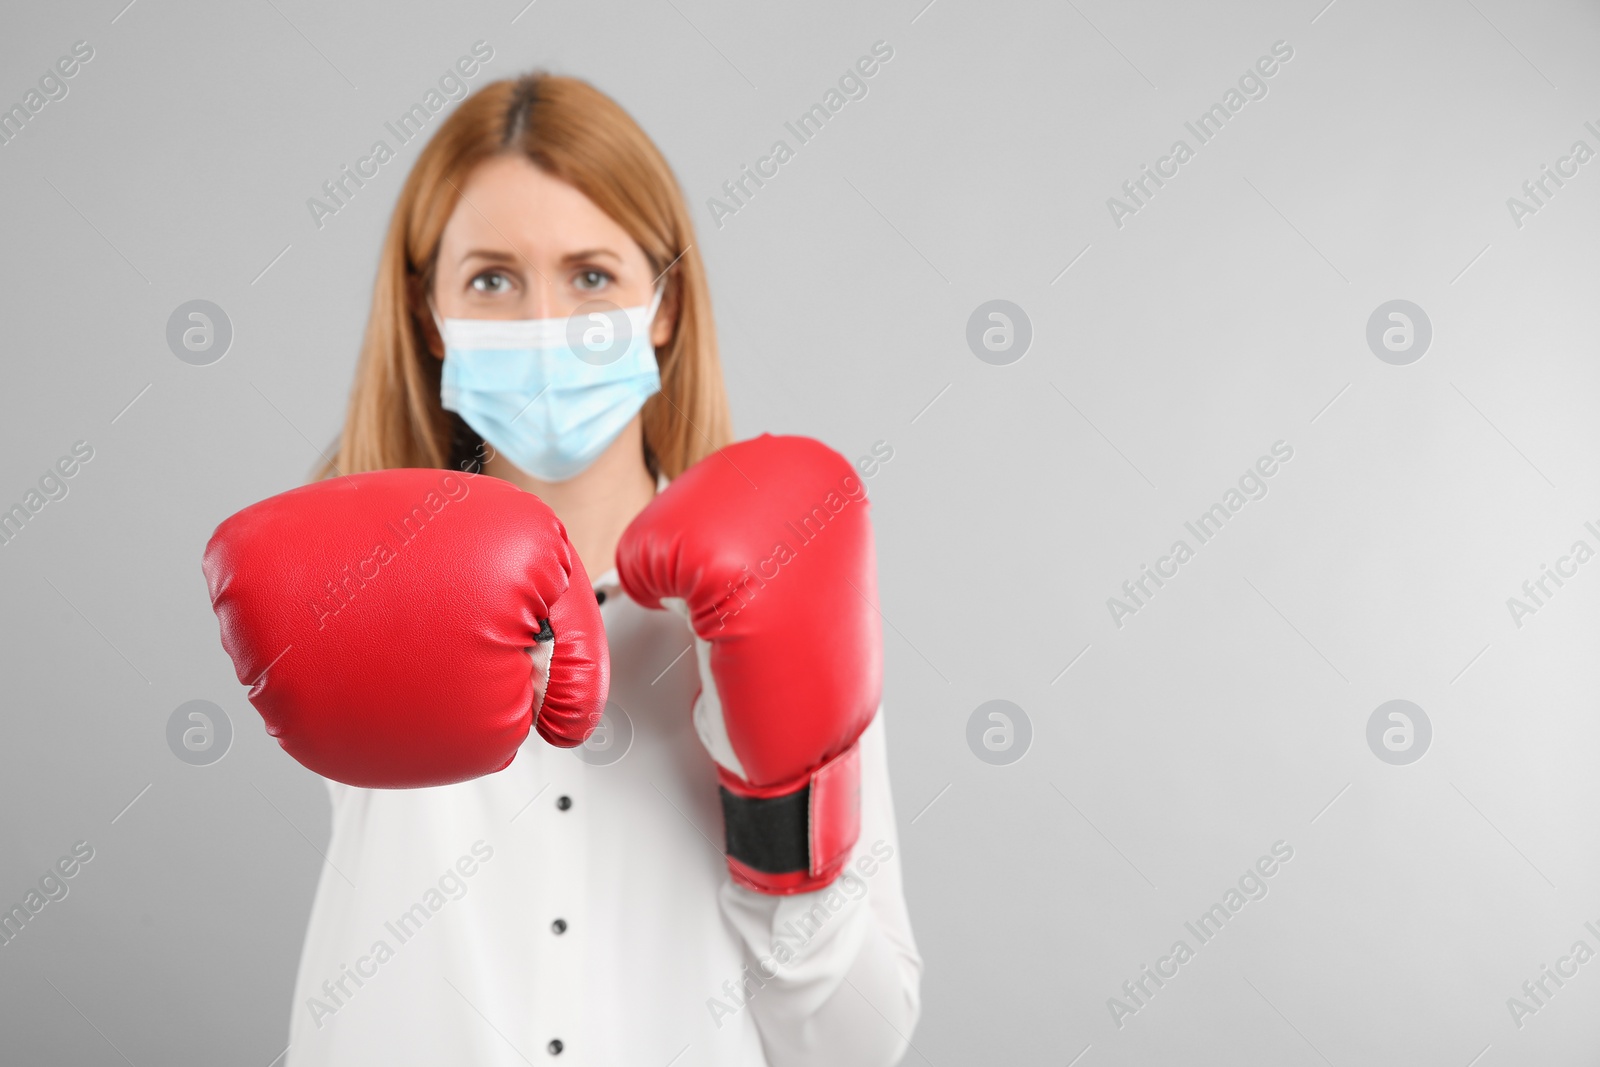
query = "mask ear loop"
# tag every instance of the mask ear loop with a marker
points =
(438, 323)
(655, 304)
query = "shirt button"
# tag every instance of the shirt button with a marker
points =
(559, 926)
(555, 1046)
(563, 803)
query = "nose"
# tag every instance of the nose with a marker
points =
(543, 301)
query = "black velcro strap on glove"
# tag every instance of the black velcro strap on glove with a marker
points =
(770, 835)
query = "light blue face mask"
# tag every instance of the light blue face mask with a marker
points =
(550, 394)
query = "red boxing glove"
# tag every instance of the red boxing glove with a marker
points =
(766, 546)
(404, 628)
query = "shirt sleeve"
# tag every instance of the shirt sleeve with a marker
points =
(833, 976)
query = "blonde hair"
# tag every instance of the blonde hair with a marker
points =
(575, 133)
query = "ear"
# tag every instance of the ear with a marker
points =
(417, 300)
(666, 323)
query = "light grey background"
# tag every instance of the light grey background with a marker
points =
(1228, 314)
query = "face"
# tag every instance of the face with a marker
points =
(523, 245)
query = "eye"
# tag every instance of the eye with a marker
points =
(591, 280)
(491, 281)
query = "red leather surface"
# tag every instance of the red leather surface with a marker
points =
(383, 620)
(835, 813)
(769, 543)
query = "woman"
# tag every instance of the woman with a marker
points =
(576, 910)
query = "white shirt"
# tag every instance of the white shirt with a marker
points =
(433, 936)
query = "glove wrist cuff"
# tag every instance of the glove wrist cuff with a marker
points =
(795, 841)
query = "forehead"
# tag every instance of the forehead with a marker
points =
(508, 200)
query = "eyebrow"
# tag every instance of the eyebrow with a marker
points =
(590, 253)
(490, 253)
(499, 256)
